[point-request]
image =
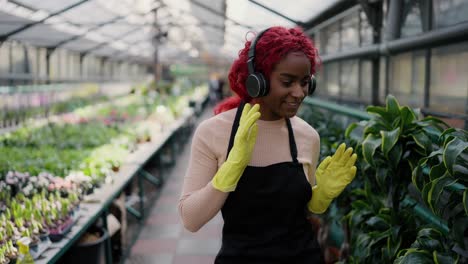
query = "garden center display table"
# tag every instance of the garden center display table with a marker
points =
(96, 205)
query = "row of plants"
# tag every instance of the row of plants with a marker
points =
(46, 170)
(44, 216)
(110, 130)
(35, 103)
(409, 201)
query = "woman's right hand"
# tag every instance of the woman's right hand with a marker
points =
(246, 136)
(230, 172)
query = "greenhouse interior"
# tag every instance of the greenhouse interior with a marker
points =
(101, 101)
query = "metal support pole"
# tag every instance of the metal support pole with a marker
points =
(375, 81)
(388, 71)
(133, 212)
(149, 177)
(49, 52)
(82, 55)
(426, 15)
(340, 63)
(108, 246)
(10, 63)
(394, 20)
(173, 145)
(161, 166)
(141, 195)
(375, 16)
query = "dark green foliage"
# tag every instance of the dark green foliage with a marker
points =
(403, 158)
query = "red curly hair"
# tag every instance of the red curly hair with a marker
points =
(273, 46)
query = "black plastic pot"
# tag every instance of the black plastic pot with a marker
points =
(91, 252)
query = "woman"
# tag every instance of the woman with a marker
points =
(257, 163)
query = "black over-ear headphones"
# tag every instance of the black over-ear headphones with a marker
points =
(256, 83)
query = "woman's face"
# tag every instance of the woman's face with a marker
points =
(288, 85)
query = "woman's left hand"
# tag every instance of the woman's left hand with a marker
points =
(332, 176)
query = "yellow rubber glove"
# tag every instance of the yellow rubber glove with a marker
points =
(332, 176)
(230, 172)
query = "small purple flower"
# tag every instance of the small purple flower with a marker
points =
(11, 178)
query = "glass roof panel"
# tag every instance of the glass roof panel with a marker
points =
(50, 6)
(80, 44)
(258, 18)
(207, 17)
(89, 14)
(104, 51)
(115, 30)
(146, 47)
(41, 35)
(8, 22)
(299, 10)
(140, 34)
(195, 27)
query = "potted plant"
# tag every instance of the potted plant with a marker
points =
(390, 146)
(441, 182)
(430, 246)
(11, 252)
(3, 257)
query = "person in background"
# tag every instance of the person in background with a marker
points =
(213, 85)
(256, 161)
(220, 88)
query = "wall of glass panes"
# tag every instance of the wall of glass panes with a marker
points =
(24, 64)
(349, 88)
(41, 64)
(449, 79)
(4, 58)
(449, 12)
(412, 23)
(347, 80)
(406, 78)
(404, 74)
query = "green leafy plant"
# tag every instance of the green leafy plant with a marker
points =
(328, 126)
(331, 128)
(441, 178)
(390, 146)
(430, 246)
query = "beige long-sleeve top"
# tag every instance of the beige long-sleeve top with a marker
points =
(199, 201)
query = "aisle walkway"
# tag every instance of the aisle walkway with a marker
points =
(163, 240)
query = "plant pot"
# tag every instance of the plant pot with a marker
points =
(34, 245)
(58, 233)
(90, 252)
(43, 236)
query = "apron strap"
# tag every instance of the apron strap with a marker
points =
(292, 141)
(235, 125)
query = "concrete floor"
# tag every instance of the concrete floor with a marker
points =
(163, 239)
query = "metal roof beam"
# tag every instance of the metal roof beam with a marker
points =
(216, 12)
(297, 22)
(11, 33)
(114, 39)
(201, 23)
(108, 42)
(432, 39)
(331, 11)
(134, 42)
(98, 26)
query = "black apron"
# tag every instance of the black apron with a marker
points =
(265, 218)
